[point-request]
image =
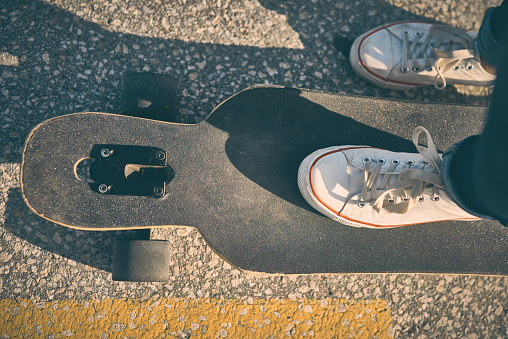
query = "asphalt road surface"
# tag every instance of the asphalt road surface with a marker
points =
(66, 56)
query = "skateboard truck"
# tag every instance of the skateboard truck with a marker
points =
(140, 171)
(129, 170)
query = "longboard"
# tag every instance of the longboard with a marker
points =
(234, 178)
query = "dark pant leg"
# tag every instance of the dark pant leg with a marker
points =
(489, 175)
(490, 160)
(475, 170)
(492, 33)
(499, 23)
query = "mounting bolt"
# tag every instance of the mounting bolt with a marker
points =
(160, 155)
(105, 152)
(158, 191)
(103, 188)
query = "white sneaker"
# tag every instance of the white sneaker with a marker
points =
(364, 186)
(405, 55)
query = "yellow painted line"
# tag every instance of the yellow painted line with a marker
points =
(195, 318)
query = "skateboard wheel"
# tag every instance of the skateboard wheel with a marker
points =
(141, 260)
(150, 96)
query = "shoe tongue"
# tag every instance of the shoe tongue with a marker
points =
(356, 171)
(355, 176)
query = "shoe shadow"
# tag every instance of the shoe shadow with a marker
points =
(271, 130)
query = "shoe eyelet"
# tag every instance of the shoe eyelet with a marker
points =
(391, 200)
(404, 69)
(417, 69)
(410, 162)
(425, 162)
(422, 199)
(456, 67)
(396, 162)
(470, 67)
(366, 159)
(382, 161)
(436, 198)
(361, 204)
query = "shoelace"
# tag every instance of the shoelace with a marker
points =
(441, 44)
(410, 184)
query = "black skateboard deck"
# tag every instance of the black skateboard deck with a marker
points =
(234, 178)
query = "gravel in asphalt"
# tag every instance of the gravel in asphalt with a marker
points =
(59, 57)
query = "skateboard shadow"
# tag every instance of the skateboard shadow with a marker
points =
(90, 248)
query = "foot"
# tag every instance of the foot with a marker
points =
(405, 55)
(369, 187)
